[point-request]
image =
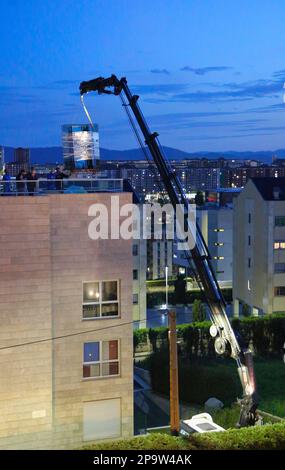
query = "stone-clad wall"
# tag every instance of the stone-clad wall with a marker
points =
(45, 255)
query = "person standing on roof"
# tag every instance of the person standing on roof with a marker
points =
(31, 182)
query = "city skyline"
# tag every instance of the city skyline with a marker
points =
(200, 89)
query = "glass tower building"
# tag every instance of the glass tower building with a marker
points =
(80, 146)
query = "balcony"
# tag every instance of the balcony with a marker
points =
(44, 186)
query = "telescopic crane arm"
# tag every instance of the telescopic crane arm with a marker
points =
(198, 255)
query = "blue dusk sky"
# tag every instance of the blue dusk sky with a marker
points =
(210, 73)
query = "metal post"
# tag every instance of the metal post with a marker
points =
(173, 365)
(166, 287)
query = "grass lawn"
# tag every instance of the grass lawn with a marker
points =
(270, 379)
(201, 379)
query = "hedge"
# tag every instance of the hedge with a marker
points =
(266, 334)
(268, 437)
(158, 298)
(221, 381)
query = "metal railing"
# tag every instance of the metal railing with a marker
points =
(45, 186)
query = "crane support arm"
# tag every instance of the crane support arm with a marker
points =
(221, 329)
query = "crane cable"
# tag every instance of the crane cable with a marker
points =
(138, 137)
(86, 112)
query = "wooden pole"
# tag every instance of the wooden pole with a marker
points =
(173, 364)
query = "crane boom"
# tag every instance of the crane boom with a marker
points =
(225, 338)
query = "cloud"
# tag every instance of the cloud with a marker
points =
(160, 71)
(269, 108)
(228, 92)
(279, 75)
(160, 89)
(219, 137)
(205, 70)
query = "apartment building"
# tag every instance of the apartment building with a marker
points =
(259, 247)
(66, 359)
(216, 225)
(139, 282)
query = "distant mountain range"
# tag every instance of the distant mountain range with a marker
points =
(53, 155)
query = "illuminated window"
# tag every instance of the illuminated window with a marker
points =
(219, 257)
(219, 229)
(100, 299)
(219, 244)
(100, 359)
(279, 245)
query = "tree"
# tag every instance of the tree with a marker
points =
(199, 199)
(198, 311)
(180, 290)
(245, 310)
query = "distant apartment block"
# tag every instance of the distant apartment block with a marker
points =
(216, 224)
(259, 247)
(66, 323)
(22, 161)
(80, 146)
(159, 256)
(139, 282)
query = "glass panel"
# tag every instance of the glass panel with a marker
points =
(91, 311)
(110, 368)
(91, 352)
(91, 370)
(95, 370)
(86, 371)
(109, 310)
(91, 292)
(109, 290)
(109, 350)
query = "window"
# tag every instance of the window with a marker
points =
(279, 268)
(219, 257)
(279, 291)
(135, 274)
(219, 229)
(280, 221)
(100, 359)
(135, 299)
(249, 240)
(100, 299)
(218, 244)
(135, 250)
(102, 419)
(279, 245)
(249, 218)
(248, 262)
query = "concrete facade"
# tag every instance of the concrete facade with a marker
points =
(139, 281)
(216, 224)
(257, 262)
(46, 255)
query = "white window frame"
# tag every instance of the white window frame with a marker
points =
(101, 362)
(102, 302)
